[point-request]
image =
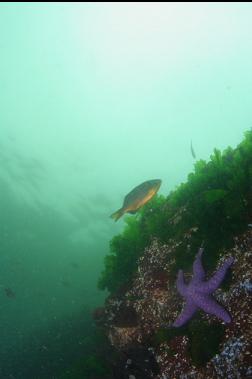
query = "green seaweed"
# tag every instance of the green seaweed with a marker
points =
(126, 247)
(217, 198)
(96, 360)
(215, 195)
(93, 366)
(204, 339)
(90, 367)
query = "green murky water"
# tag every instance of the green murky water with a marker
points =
(95, 99)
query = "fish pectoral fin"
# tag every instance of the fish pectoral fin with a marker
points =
(133, 211)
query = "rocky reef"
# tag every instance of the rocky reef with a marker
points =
(139, 322)
(153, 333)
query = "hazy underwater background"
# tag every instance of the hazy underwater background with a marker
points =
(94, 100)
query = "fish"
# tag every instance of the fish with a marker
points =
(74, 265)
(65, 283)
(192, 151)
(9, 292)
(137, 198)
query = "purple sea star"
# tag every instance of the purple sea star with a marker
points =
(198, 292)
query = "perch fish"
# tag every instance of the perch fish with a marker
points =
(139, 196)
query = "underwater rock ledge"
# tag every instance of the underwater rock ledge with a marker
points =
(139, 322)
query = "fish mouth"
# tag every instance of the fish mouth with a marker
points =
(157, 183)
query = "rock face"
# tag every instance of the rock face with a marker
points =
(139, 323)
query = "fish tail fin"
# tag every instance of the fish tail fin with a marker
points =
(117, 214)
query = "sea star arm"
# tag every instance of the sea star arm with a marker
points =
(198, 270)
(181, 286)
(187, 313)
(211, 306)
(213, 283)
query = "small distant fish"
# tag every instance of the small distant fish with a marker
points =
(139, 196)
(40, 294)
(66, 283)
(250, 225)
(9, 293)
(192, 151)
(74, 265)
